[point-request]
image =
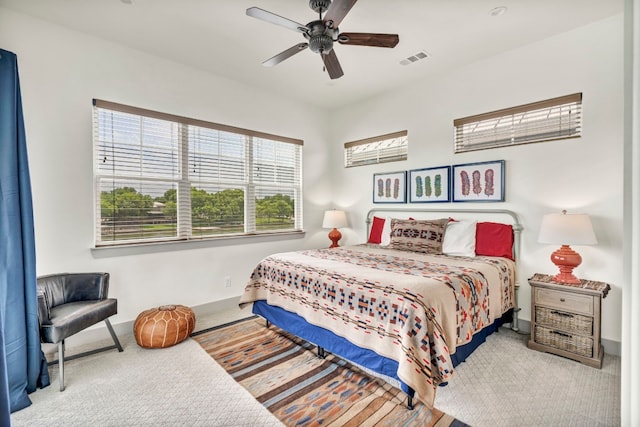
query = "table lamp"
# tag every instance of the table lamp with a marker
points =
(334, 219)
(566, 229)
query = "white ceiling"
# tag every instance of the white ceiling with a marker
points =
(216, 35)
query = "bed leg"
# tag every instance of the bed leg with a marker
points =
(410, 403)
(321, 352)
(514, 322)
(267, 323)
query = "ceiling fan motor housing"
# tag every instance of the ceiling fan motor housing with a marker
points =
(320, 37)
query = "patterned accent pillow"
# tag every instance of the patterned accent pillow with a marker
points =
(424, 236)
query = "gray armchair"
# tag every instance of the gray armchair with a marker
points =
(71, 302)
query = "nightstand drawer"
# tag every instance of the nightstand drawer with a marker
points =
(565, 301)
(577, 344)
(569, 322)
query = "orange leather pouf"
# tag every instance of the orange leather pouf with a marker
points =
(164, 326)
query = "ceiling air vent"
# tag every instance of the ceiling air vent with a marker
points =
(415, 58)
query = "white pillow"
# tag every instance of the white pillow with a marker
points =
(385, 239)
(460, 238)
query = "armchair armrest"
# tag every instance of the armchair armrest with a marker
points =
(44, 314)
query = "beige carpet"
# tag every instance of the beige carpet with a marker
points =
(174, 386)
(502, 384)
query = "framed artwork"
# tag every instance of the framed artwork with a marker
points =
(478, 182)
(429, 185)
(390, 187)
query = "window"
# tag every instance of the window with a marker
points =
(161, 177)
(380, 149)
(557, 118)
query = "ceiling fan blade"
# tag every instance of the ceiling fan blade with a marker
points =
(369, 39)
(285, 55)
(264, 15)
(337, 11)
(332, 65)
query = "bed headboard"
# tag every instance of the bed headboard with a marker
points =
(481, 214)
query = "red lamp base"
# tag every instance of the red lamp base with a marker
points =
(335, 236)
(566, 259)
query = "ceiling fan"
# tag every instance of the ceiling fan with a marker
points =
(322, 33)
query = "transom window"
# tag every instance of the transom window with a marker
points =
(161, 177)
(379, 149)
(552, 119)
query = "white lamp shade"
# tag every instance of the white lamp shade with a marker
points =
(334, 219)
(567, 229)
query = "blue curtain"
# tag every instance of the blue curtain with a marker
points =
(22, 364)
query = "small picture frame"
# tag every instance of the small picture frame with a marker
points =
(430, 185)
(478, 182)
(390, 187)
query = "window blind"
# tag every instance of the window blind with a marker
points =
(165, 177)
(552, 119)
(380, 149)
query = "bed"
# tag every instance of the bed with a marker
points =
(410, 304)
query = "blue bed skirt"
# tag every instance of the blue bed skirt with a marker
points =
(343, 348)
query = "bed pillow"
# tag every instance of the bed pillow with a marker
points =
(460, 238)
(385, 239)
(375, 235)
(494, 239)
(380, 233)
(424, 236)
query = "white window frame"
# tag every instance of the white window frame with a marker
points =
(548, 120)
(392, 147)
(250, 181)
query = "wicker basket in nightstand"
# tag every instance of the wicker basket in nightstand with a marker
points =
(566, 318)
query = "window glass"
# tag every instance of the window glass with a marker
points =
(163, 177)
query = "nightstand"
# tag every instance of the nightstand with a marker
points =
(565, 318)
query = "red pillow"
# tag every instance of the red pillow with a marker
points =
(494, 239)
(375, 235)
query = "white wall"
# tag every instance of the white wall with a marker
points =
(61, 71)
(580, 175)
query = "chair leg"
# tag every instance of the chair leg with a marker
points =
(113, 335)
(61, 363)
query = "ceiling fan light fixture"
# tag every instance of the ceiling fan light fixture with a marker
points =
(321, 43)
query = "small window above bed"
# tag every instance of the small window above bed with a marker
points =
(392, 147)
(552, 119)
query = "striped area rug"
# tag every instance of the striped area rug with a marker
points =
(284, 373)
